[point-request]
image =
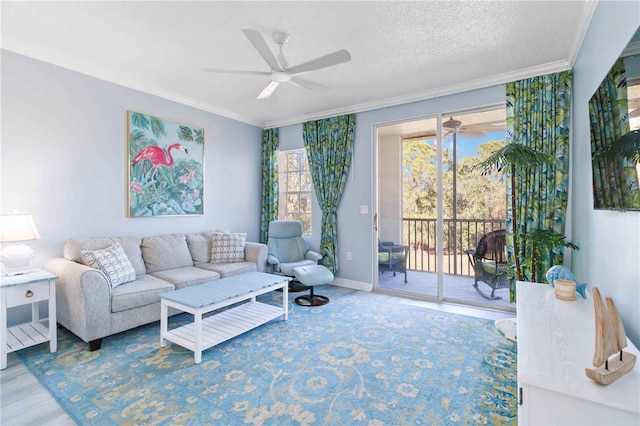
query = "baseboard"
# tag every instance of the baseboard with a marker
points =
(352, 284)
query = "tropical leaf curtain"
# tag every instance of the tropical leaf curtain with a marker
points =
(615, 180)
(329, 145)
(270, 141)
(538, 116)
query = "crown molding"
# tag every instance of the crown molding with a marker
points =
(482, 83)
(633, 48)
(88, 69)
(583, 26)
(428, 94)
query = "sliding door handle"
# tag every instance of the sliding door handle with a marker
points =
(520, 396)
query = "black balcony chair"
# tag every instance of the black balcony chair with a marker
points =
(392, 257)
(489, 261)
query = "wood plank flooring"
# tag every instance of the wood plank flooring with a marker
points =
(24, 401)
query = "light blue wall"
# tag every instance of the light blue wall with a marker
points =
(64, 158)
(355, 230)
(609, 255)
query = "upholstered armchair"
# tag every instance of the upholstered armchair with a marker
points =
(287, 248)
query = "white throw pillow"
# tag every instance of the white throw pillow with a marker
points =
(113, 262)
(227, 248)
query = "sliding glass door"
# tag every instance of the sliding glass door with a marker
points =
(474, 204)
(433, 203)
(407, 206)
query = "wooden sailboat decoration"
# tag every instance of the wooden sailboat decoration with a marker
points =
(610, 340)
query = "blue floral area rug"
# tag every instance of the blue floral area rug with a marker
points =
(356, 360)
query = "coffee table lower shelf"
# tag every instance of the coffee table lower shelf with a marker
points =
(223, 326)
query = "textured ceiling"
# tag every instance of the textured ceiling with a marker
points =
(401, 51)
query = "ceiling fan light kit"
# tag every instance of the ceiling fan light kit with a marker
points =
(280, 71)
(280, 37)
(452, 124)
(280, 76)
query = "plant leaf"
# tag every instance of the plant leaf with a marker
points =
(514, 154)
(626, 146)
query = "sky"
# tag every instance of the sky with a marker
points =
(469, 146)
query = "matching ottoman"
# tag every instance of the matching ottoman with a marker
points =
(312, 276)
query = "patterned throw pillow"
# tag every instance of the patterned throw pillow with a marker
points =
(113, 262)
(227, 248)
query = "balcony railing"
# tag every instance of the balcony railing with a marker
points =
(458, 235)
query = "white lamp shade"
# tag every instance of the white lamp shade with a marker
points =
(17, 227)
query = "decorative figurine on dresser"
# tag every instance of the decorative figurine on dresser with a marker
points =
(556, 340)
(610, 339)
(562, 273)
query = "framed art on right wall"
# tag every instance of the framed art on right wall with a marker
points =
(614, 114)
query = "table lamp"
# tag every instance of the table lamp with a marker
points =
(16, 227)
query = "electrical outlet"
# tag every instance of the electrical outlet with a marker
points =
(348, 255)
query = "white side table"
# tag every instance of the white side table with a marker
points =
(30, 287)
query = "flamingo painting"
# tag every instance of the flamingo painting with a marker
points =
(157, 156)
(162, 180)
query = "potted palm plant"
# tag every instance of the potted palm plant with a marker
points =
(542, 242)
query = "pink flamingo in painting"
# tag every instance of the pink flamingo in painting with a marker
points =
(157, 156)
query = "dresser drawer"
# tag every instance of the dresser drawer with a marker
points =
(23, 294)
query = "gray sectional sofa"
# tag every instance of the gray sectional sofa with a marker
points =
(90, 306)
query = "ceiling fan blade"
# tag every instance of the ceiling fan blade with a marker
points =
(237, 71)
(472, 134)
(311, 85)
(261, 46)
(267, 91)
(331, 59)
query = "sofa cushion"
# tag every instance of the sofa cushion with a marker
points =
(199, 244)
(228, 247)
(165, 252)
(113, 262)
(73, 248)
(490, 266)
(186, 276)
(145, 290)
(385, 256)
(229, 269)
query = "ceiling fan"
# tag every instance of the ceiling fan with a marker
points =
(452, 126)
(280, 71)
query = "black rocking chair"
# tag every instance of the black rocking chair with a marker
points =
(489, 261)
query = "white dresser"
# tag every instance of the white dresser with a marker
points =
(556, 340)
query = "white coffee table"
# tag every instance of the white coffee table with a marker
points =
(198, 300)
